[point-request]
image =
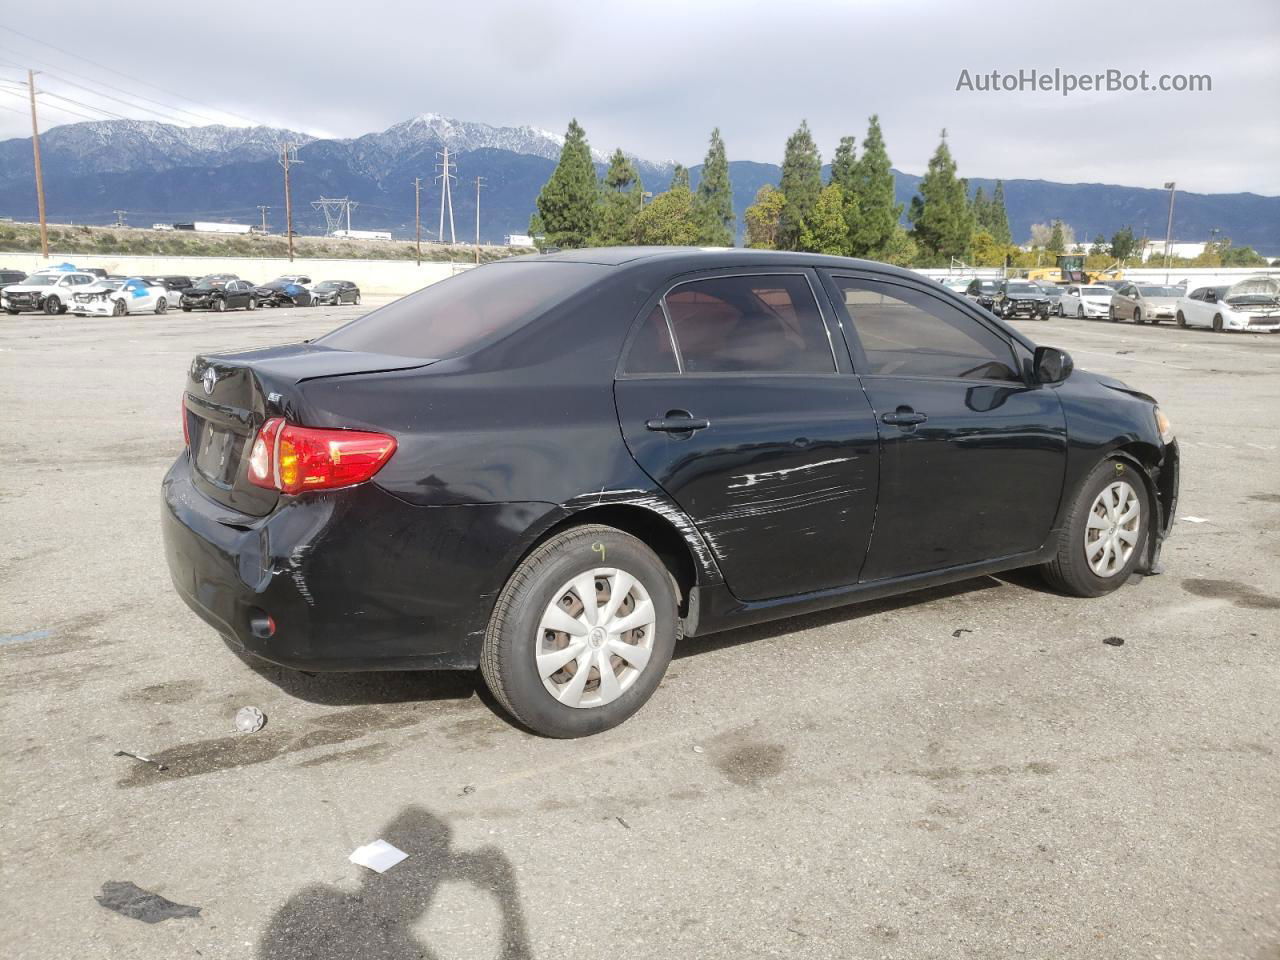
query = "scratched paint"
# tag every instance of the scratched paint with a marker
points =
(751, 479)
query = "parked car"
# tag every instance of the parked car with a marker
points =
(1252, 305)
(1020, 298)
(11, 276)
(217, 293)
(583, 457)
(1054, 292)
(47, 290)
(1144, 302)
(118, 298)
(983, 292)
(335, 292)
(1085, 301)
(174, 283)
(283, 291)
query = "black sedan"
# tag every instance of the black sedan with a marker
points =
(335, 292)
(283, 292)
(983, 292)
(555, 467)
(1015, 299)
(218, 292)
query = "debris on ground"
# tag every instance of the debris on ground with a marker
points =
(956, 633)
(697, 749)
(250, 719)
(132, 901)
(1114, 641)
(1193, 519)
(378, 856)
(623, 822)
(138, 756)
(467, 791)
(1121, 353)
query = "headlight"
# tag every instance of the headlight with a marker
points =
(1164, 426)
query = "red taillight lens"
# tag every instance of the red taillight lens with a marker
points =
(292, 459)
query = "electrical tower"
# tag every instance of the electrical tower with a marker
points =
(120, 217)
(446, 194)
(262, 209)
(334, 210)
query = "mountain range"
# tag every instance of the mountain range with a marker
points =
(161, 173)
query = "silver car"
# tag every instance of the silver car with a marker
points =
(1143, 302)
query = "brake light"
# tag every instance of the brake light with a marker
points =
(292, 459)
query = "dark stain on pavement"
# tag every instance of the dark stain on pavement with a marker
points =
(224, 753)
(1241, 594)
(172, 692)
(370, 751)
(749, 764)
(1265, 497)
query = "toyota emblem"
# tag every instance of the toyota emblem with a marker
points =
(209, 379)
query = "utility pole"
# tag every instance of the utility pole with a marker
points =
(35, 149)
(417, 217)
(262, 209)
(446, 195)
(1168, 233)
(288, 157)
(479, 184)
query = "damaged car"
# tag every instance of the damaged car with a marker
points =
(47, 291)
(219, 292)
(555, 468)
(1015, 299)
(284, 292)
(1251, 305)
(119, 298)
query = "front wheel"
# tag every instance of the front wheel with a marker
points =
(53, 306)
(1137, 316)
(582, 633)
(219, 305)
(1104, 533)
(119, 309)
(162, 305)
(356, 301)
(1182, 321)
(1217, 323)
(1080, 312)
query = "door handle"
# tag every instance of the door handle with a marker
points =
(677, 422)
(904, 417)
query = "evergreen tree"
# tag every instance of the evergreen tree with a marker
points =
(621, 206)
(680, 178)
(873, 235)
(942, 222)
(844, 174)
(714, 211)
(900, 249)
(981, 211)
(826, 230)
(668, 219)
(1123, 244)
(998, 223)
(1099, 247)
(764, 217)
(801, 184)
(1057, 242)
(569, 202)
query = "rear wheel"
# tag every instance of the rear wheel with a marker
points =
(253, 303)
(10, 311)
(1217, 323)
(1104, 533)
(186, 309)
(162, 305)
(582, 633)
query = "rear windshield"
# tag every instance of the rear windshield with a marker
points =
(454, 316)
(1024, 289)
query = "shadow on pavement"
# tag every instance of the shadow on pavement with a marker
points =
(376, 922)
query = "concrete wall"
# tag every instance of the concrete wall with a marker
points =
(1195, 276)
(392, 277)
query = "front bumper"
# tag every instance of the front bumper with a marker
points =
(1166, 478)
(95, 308)
(354, 579)
(1097, 309)
(22, 305)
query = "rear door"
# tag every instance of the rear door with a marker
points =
(731, 397)
(972, 457)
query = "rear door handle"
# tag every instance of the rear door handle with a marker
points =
(904, 417)
(677, 424)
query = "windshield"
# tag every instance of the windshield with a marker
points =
(453, 316)
(1023, 289)
(109, 284)
(1051, 289)
(1160, 291)
(987, 286)
(206, 284)
(327, 285)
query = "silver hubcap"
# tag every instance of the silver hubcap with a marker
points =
(595, 637)
(1115, 521)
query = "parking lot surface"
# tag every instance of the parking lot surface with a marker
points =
(967, 772)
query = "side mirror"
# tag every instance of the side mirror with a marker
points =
(1051, 365)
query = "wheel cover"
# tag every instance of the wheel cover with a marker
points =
(1114, 525)
(595, 638)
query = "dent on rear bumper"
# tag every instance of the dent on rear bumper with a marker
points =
(355, 579)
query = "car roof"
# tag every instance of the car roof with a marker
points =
(699, 258)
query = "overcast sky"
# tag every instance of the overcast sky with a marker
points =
(655, 77)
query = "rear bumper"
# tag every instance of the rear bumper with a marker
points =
(355, 579)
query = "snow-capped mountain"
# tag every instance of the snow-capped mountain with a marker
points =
(461, 135)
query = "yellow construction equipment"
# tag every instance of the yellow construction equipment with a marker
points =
(1070, 269)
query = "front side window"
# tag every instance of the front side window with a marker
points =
(749, 324)
(905, 332)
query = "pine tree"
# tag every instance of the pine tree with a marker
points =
(981, 211)
(844, 174)
(873, 235)
(801, 184)
(942, 222)
(1057, 242)
(680, 178)
(714, 209)
(621, 206)
(826, 230)
(763, 218)
(998, 224)
(569, 202)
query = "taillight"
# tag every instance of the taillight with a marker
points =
(186, 428)
(292, 459)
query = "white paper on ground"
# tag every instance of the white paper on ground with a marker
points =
(1193, 519)
(379, 855)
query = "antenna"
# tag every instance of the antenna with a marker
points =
(446, 194)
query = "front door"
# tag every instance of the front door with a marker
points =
(731, 399)
(972, 457)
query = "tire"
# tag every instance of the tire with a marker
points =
(356, 301)
(162, 306)
(253, 303)
(1070, 571)
(1217, 323)
(120, 309)
(186, 309)
(1137, 317)
(12, 313)
(1080, 312)
(219, 305)
(1181, 320)
(540, 586)
(1111, 314)
(53, 306)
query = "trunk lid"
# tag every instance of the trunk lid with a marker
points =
(229, 397)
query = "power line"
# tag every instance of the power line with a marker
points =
(171, 117)
(54, 106)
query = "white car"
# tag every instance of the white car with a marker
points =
(49, 290)
(1251, 305)
(118, 298)
(1085, 301)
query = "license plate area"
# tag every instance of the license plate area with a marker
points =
(216, 452)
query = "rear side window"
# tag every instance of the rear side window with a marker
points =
(908, 333)
(651, 350)
(453, 316)
(751, 324)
